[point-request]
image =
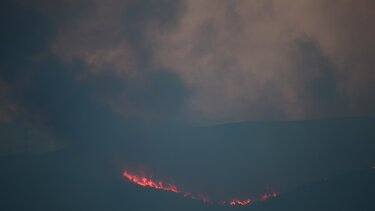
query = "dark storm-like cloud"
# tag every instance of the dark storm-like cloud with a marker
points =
(70, 100)
(26, 60)
(244, 56)
(236, 52)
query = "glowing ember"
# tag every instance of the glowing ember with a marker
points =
(240, 202)
(149, 182)
(144, 181)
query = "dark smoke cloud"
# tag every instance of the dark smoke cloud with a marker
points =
(238, 60)
(242, 54)
(70, 100)
(120, 79)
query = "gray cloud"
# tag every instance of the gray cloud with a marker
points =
(240, 53)
(107, 38)
(240, 60)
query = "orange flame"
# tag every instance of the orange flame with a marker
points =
(144, 181)
(149, 182)
(240, 202)
(262, 197)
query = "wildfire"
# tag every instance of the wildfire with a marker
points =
(149, 182)
(240, 202)
(144, 181)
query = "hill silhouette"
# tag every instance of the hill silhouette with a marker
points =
(339, 177)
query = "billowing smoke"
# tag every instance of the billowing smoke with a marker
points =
(250, 60)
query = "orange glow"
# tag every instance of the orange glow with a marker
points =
(149, 182)
(240, 202)
(144, 181)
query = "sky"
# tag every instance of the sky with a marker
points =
(246, 94)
